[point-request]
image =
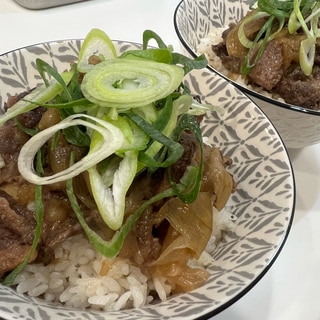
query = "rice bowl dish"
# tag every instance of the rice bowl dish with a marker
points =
(134, 279)
(298, 126)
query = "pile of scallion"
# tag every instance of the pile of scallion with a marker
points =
(129, 112)
(295, 15)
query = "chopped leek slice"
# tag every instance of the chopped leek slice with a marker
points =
(96, 43)
(38, 96)
(111, 140)
(111, 200)
(130, 83)
(306, 55)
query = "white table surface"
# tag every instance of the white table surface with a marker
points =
(289, 290)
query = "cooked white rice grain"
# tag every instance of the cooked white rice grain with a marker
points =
(101, 300)
(162, 288)
(62, 265)
(122, 302)
(27, 285)
(139, 296)
(111, 284)
(50, 297)
(38, 291)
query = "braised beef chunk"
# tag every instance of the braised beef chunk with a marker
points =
(233, 64)
(220, 50)
(296, 88)
(17, 226)
(189, 143)
(31, 119)
(17, 223)
(12, 139)
(269, 69)
(59, 223)
(13, 99)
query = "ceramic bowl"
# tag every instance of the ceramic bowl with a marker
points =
(195, 19)
(263, 202)
(44, 4)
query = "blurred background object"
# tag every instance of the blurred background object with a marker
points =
(43, 4)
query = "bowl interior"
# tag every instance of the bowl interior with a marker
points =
(263, 202)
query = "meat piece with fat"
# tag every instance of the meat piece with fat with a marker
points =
(17, 225)
(269, 68)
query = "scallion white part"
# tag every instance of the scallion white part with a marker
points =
(111, 140)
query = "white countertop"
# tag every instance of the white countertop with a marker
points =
(289, 290)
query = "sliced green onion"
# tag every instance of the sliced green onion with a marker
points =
(111, 140)
(189, 63)
(241, 33)
(111, 200)
(130, 83)
(111, 248)
(293, 23)
(135, 138)
(148, 112)
(266, 28)
(306, 55)
(274, 8)
(157, 55)
(39, 95)
(193, 177)
(149, 35)
(44, 68)
(127, 121)
(82, 104)
(175, 148)
(97, 43)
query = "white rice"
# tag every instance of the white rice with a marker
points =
(82, 278)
